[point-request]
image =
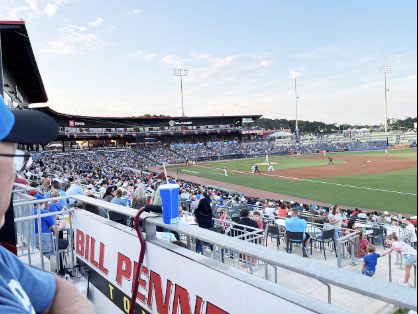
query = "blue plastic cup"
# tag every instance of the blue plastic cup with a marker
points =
(170, 202)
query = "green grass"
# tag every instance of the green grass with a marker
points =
(281, 163)
(402, 153)
(401, 181)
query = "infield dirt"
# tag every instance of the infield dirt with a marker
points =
(354, 165)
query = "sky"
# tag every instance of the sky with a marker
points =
(116, 58)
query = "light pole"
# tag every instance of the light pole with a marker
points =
(386, 70)
(181, 73)
(295, 75)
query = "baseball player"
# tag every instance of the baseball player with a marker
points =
(330, 160)
(267, 159)
(256, 170)
(226, 171)
(271, 168)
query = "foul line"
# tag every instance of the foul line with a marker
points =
(315, 181)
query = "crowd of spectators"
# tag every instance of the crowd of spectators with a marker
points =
(121, 178)
(157, 154)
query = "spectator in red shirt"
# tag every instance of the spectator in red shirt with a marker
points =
(223, 218)
(351, 227)
(283, 211)
(363, 244)
(257, 219)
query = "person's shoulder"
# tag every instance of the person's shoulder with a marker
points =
(300, 220)
(5, 254)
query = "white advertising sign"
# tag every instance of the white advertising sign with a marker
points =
(170, 283)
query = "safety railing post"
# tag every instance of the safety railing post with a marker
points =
(70, 218)
(353, 258)
(390, 267)
(28, 239)
(41, 252)
(339, 255)
(329, 295)
(266, 271)
(397, 259)
(401, 261)
(275, 274)
(57, 256)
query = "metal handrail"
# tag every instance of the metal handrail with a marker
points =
(37, 218)
(377, 289)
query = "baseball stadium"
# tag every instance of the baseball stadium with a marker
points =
(374, 180)
(106, 209)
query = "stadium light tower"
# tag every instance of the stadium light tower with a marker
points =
(295, 75)
(181, 73)
(386, 70)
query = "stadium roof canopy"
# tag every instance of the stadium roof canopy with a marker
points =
(68, 120)
(19, 58)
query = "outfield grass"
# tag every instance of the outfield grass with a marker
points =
(402, 153)
(404, 181)
(279, 163)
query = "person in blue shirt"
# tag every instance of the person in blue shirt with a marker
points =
(370, 261)
(295, 224)
(47, 225)
(119, 200)
(22, 288)
(55, 206)
(55, 185)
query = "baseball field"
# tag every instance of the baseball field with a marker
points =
(369, 180)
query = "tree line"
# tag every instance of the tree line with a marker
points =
(316, 127)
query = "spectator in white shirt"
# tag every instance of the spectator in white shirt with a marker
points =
(394, 228)
(271, 212)
(185, 196)
(336, 220)
(75, 189)
(410, 230)
(362, 216)
(388, 218)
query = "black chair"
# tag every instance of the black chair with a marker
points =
(378, 233)
(266, 218)
(273, 233)
(271, 222)
(362, 220)
(119, 218)
(236, 219)
(327, 237)
(295, 237)
(234, 213)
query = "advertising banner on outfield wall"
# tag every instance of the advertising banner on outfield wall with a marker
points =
(169, 284)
